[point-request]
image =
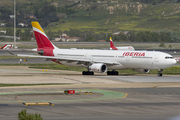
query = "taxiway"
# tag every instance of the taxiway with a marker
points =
(115, 97)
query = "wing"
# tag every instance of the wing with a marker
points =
(68, 59)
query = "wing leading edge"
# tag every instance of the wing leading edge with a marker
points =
(69, 59)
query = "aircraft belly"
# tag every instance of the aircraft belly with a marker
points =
(73, 64)
(115, 67)
(135, 63)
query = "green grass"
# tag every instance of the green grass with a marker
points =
(175, 70)
(130, 20)
(55, 66)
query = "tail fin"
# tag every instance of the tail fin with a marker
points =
(4, 47)
(112, 45)
(41, 38)
(7, 46)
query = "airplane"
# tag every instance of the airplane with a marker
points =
(112, 47)
(7, 46)
(99, 60)
(177, 59)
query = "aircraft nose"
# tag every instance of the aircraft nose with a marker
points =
(174, 62)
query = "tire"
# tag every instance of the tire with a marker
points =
(108, 73)
(84, 73)
(112, 73)
(116, 73)
(92, 73)
(159, 74)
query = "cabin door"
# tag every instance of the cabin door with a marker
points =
(156, 58)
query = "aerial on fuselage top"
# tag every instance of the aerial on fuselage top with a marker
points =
(99, 60)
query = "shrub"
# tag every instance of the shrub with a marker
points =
(162, 44)
(23, 115)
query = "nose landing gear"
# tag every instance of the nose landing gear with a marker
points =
(160, 73)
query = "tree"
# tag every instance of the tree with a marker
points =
(162, 44)
(23, 115)
(36, 13)
(154, 2)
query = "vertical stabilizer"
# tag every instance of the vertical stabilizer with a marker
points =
(41, 38)
(112, 45)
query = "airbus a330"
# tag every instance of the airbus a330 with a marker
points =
(100, 61)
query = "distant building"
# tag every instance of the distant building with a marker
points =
(2, 24)
(78, 1)
(63, 35)
(30, 16)
(70, 39)
(3, 31)
(116, 33)
(101, 41)
(57, 39)
(22, 24)
(11, 16)
(125, 32)
(114, 1)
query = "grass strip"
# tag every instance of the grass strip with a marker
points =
(175, 70)
(12, 85)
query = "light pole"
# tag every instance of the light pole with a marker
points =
(15, 24)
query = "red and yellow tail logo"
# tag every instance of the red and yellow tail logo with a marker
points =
(112, 45)
(41, 38)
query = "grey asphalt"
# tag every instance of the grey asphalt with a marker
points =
(133, 78)
(140, 104)
(28, 61)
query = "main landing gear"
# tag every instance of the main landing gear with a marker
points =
(160, 73)
(112, 72)
(87, 73)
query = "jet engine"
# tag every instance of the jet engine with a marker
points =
(142, 70)
(98, 67)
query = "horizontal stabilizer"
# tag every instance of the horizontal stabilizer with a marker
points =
(11, 53)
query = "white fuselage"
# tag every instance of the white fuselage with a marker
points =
(129, 48)
(126, 59)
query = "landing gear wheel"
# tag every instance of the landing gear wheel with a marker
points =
(90, 73)
(112, 72)
(159, 74)
(108, 72)
(84, 73)
(87, 73)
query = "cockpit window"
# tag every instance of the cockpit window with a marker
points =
(169, 58)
